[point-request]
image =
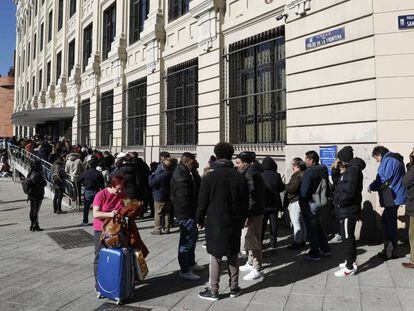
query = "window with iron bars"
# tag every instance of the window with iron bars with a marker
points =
(106, 115)
(84, 113)
(257, 89)
(182, 104)
(135, 119)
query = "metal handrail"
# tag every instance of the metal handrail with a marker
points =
(25, 158)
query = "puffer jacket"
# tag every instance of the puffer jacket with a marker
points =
(347, 195)
(273, 185)
(256, 185)
(159, 183)
(73, 166)
(409, 185)
(310, 182)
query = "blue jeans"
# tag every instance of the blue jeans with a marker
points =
(88, 199)
(389, 225)
(187, 244)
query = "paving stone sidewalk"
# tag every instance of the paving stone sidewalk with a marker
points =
(37, 274)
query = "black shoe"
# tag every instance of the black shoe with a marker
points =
(37, 228)
(60, 212)
(156, 232)
(208, 295)
(294, 246)
(31, 227)
(55, 211)
(235, 292)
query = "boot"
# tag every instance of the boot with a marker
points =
(37, 228)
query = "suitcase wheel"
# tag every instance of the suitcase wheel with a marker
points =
(98, 296)
(118, 301)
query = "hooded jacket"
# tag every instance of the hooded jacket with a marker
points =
(391, 170)
(73, 166)
(347, 195)
(159, 182)
(273, 185)
(38, 184)
(224, 200)
(184, 192)
(256, 186)
(310, 181)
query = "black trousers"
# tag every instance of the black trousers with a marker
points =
(34, 211)
(98, 246)
(57, 200)
(317, 237)
(348, 240)
(272, 216)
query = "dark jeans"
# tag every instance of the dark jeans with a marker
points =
(348, 240)
(98, 246)
(88, 199)
(317, 237)
(57, 200)
(389, 225)
(187, 244)
(273, 226)
(34, 211)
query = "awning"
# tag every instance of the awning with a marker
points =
(40, 116)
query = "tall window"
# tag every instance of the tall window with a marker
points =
(33, 85)
(177, 8)
(257, 89)
(48, 73)
(23, 60)
(34, 46)
(50, 32)
(106, 115)
(138, 13)
(136, 113)
(28, 54)
(27, 90)
(87, 45)
(35, 7)
(60, 15)
(109, 30)
(84, 112)
(72, 8)
(58, 66)
(182, 103)
(42, 30)
(40, 80)
(71, 56)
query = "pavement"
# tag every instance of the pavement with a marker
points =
(37, 274)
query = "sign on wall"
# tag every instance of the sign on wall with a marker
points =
(325, 38)
(327, 155)
(406, 22)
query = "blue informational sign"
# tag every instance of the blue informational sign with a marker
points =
(327, 156)
(325, 38)
(406, 22)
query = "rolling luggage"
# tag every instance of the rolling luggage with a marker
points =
(115, 279)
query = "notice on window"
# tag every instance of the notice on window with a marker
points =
(327, 156)
(325, 38)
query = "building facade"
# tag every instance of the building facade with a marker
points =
(278, 77)
(6, 105)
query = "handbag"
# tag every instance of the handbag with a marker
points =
(386, 195)
(114, 233)
(141, 266)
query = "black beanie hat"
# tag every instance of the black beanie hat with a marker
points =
(247, 156)
(346, 154)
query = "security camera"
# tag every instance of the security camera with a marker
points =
(281, 16)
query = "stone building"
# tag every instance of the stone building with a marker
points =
(276, 76)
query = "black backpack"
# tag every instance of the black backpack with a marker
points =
(27, 185)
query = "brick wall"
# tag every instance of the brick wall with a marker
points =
(6, 106)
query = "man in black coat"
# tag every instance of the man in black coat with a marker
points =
(36, 193)
(273, 187)
(347, 203)
(251, 169)
(185, 184)
(311, 180)
(224, 200)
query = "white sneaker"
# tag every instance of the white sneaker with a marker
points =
(197, 267)
(253, 275)
(336, 239)
(344, 272)
(343, 265)
(190, 276)
(246, 268)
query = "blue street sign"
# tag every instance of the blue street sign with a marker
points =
(327, 155)
(325, 38)
(406, 21)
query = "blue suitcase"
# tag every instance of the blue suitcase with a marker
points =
(115, 279)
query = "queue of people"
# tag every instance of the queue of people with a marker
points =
(234, 201)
